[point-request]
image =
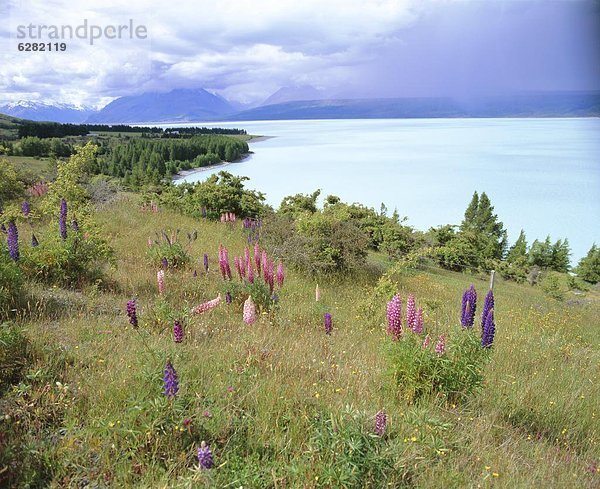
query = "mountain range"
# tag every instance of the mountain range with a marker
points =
(306, 102)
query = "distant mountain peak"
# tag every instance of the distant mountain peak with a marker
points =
(294, 93)
(47, 111)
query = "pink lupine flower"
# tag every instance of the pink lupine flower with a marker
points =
(207, 306)
(394, 317)
(440, 346)
(264, 259)
(160, 278)
(249, 311)
(257, 257)
(418, 327)
(250, 273)
(380, 423)
(426, 341)
(246, 256)
(410, 312)
(280, 275)
(238, 266)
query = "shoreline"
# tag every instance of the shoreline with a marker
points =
(186, 173)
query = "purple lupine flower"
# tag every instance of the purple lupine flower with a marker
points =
(380, 423)
(228, 298)
(132, 313)
(469, 305)
(410, 312)
(3, 228)
(275, 298)
(280, 275)
(170, 382)
(164, 263)
(13, 241)
(195, 274)
(204, 212)
(74, 225)
(489, 329)
(440, 346)
(26, 208)
(328, 323)
(34, 241)
(62, 220)
(205, 457)
(488, 304)
(177, 331)
(205, 262)
(394, 317)
(418, 328)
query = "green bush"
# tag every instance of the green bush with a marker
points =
(11, 283)
(14, 355)
(168, 245)
(72, 262)
(418, 372)
(551, 285)
(260, 292)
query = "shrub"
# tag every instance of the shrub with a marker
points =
(316, 243)
(260, 292)
(14, 355)
(167, 245)
(550, 284)
(417, 372)
(10, 186)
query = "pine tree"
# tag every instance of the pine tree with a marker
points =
(589, 266)
(518, 251)
(481, 220)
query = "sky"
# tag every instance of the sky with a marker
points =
(245, 50)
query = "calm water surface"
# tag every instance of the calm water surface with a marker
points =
(542, 175)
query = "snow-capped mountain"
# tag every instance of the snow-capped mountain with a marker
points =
(45, 111)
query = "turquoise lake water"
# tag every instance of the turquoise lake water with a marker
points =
(542, 175)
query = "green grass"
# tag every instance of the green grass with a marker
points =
(38, 167)
(281, 403)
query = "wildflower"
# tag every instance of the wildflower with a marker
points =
(328, 323)
(246, 257)
(394, 317)
(440, 346)
(264, 259)
(410, 312)
(160, 278)
(74, 225)
(164, 263)
(280, 275)
(205, 456)
(238, 266)
(418, 327)
(380, 423)
(488, 304)
(62, 221)
(250, 273)
(469, 305)
(249, 311)
(489, 328)
(205, 262)
(204, 212)
(207, 306)
(177, 331)
(426, 341)
(228, 298)
(195, 274)
(275, 298)
(26, 208)
(257, 257)
(34, 241)
(13, 241)
(132, 313)
(317, 293)
(171, 384)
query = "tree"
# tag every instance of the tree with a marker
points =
(540, 253)
(518, 252)
(589, 266)
(300, 203)
(560, 256)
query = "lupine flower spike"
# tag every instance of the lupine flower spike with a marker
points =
(418, 328)
(411, 312)
(205, 457)
(394, 317)
(280, 276)
(328, 323)
(207, 306)
(380, 423)
(170, 381)
(488, 304)
(317, 293)
(13, 241)
(164, 262)
(26, 208)
(249, 311)
(228, 298)
(440, 346)
(469, 305)
(132, 313)
(426, 342)
(177, 331)
(75, 225)
(160, 278)
(62, 221)
(34, 241)
(489, 329)
(205, 262)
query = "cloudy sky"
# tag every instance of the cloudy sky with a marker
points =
(246, 50)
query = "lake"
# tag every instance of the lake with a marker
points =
(542, 175)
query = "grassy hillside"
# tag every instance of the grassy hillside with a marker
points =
(280, 403)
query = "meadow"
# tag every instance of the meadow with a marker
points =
(279, 402)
